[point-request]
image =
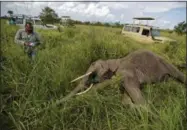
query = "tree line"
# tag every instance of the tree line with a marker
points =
(49, 16)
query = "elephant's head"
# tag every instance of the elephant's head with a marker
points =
(97, 73)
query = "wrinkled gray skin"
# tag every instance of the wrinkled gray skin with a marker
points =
(138, 67)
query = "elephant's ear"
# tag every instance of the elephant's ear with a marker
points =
(101, 67)
(113, 65)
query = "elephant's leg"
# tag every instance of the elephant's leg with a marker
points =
(126, 100)
(173, 71)
(136, 95)
(133, 89)
(165, 78)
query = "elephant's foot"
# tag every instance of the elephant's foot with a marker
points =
(126, 100)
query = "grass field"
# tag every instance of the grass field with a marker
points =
(26, 88)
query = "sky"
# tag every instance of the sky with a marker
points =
(166, 14)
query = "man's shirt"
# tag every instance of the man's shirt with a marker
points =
(22, 37)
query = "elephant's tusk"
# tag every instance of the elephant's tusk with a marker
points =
(85, 90)
(80, 77)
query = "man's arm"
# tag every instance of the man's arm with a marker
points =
(38, 39)
(18, 38)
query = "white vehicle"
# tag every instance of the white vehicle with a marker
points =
(144, 33)
(20, 20)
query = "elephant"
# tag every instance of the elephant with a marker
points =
(136, 69)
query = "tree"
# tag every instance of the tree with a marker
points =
(70, 22)
(181, 28)
(87, 22)
(49, 16)
(98, 23)
(10, 12)
(77, 22)
(117, 24)
(107, 24)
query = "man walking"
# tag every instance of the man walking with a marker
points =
(29, 39)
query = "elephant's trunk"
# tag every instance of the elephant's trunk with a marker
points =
(71, 94)
(81, 85)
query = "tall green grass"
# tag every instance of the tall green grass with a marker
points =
(27, 88)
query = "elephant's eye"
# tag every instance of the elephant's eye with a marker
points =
(93, 78)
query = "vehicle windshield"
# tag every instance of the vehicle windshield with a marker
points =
(155, 32)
